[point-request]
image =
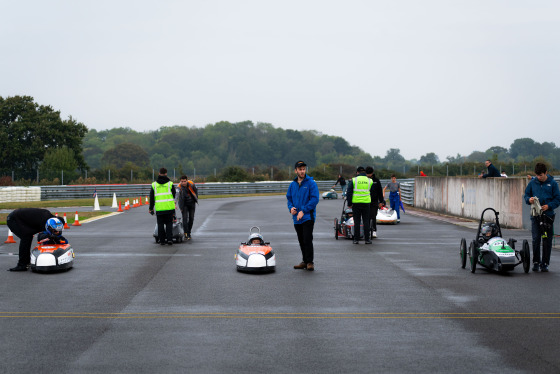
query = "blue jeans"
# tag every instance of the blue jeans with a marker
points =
(546, 243)
(395, 201)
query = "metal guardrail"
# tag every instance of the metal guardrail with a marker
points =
(63, 192)
(407, 192)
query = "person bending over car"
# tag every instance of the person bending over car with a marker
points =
(24, 223)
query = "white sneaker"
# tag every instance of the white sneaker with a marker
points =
(374, 234)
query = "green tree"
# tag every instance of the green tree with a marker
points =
(429, 159)
(126, 152)
(28, 130)
(58, 160)
(234, 174)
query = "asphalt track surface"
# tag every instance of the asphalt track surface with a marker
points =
(400, 305)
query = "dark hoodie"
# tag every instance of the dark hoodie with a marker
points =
(162, 179)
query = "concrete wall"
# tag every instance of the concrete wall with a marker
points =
(468, 197)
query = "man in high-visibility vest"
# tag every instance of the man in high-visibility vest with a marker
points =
(358, 196)
(162, 198)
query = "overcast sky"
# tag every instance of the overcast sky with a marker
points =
(424, 76)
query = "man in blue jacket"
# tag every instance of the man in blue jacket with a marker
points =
(303, 197)
(545, 188)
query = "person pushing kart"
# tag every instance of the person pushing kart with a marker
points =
(24, 223)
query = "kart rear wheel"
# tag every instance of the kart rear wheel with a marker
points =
(473, 255)
(336, 228)
(526, 256)
(463, 253)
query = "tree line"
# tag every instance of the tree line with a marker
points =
(40, 146)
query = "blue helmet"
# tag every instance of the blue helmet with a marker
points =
(54, 226)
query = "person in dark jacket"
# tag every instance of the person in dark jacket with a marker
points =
(24, 223)
(303, 197)
(342, 182)
(359, 199)
(545, 188)
(162, 200)
(188, 198)
(492, 171)
(377, 200)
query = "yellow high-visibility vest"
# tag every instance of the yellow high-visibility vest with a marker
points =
(361, 188)
(163, 196)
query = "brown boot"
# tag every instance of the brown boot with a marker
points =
(310, 267)
(301, 265)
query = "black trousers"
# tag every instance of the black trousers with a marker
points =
(546, 242)
(188, 217)
(165, 227)
(305, 238)
(374, 207)
(361, 215)
(26, 240)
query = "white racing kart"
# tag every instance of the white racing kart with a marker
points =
(386, 216)
(52, 257)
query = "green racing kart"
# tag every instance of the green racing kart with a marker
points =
(491, 251)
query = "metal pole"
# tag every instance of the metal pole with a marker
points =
(215, 171)
(153, 175)
(109, 175)
(86, 173)
(12, 175)
(130, 175)
(37, 176)
(174, 174)
(447, 169)
(194, 174)
(271, 173)
(432, 169)
(62, 176)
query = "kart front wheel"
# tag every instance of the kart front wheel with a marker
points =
(336, 228)
(473, 254)
(463, 252)
(526, 256)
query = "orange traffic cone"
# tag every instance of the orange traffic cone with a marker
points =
(76, 221)
(66, 222)
(147, 201)
(126, 207)
(120, 208)
(140, 201)
(56, 214)
(10, 239)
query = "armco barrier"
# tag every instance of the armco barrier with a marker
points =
(63, 192)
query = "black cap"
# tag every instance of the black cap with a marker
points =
(300, 163)
(369, 170)
(360, 169)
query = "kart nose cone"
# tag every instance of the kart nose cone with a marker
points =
(256, 261)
